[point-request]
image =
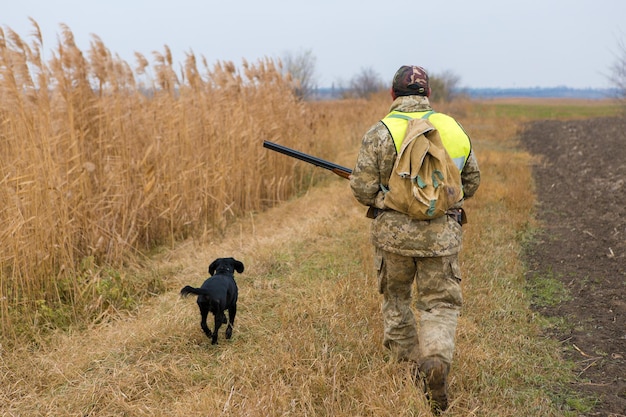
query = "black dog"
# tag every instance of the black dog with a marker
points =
(217, 294)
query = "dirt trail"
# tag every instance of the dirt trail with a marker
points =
(581, 187)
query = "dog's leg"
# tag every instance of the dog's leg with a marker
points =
(204, 313)
(219, 319)
(232, 312)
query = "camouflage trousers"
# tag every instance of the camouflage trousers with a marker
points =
(438, 302)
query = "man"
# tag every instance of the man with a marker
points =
(407, 249)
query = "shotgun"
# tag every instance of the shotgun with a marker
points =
(372, 212)
(337, 169)
(343, 172)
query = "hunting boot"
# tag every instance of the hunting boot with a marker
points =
(434, 372)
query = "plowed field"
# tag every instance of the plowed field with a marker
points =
(580, 177)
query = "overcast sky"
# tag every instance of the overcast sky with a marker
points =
(487, 43)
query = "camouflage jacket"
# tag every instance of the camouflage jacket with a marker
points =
(391, 230)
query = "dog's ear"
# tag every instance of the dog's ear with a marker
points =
(238, 265)
(212, 267)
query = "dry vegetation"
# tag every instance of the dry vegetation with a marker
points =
(102, 166)
(100, 163)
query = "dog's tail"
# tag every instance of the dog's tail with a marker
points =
(188, 289)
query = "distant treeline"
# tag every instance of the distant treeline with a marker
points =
(486, 93)
(552, 92)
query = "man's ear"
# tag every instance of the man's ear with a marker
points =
(393, 94)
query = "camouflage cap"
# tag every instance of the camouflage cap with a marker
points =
(410, 80)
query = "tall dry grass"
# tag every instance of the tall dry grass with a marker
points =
(101, 162)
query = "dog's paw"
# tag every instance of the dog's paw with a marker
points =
(229, 333)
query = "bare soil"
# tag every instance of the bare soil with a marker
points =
(580, 179)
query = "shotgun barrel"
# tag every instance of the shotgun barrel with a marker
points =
(337, 169)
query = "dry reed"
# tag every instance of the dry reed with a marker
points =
(100, 163)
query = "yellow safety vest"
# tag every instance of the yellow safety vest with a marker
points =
(453, 137)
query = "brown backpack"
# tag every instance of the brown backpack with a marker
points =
(425, 182)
